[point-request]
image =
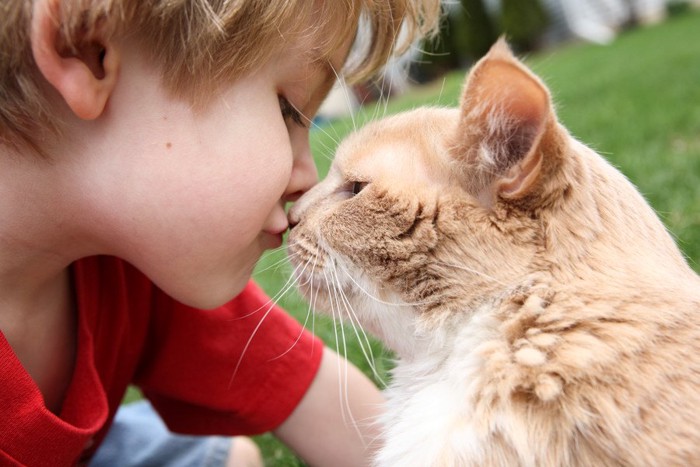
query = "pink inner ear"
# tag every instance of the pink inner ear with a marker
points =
(507, 89)
(508, 108)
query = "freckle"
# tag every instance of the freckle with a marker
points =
(168, 145)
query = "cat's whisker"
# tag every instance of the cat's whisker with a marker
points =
(311, 124)
(248, 342)
(335, 139)
(313, 297)
(331, 126)
(344, 391)
(391, 77)
(442, 89)
(379, 106)
(385, 100)
(355, 322)
(346, 94)
(270, 304)
(291, 282)
(379, 300)
(327, 149)
(280, 262)
(309, 312)
(375, 111)
(309, 309)
(346, 412)
(330, 286)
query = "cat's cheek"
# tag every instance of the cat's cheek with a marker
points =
(309, 262)
(337, 234)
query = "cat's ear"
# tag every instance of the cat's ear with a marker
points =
(505, 111)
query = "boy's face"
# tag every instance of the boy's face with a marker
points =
(194, 197)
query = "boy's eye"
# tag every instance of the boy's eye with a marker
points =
(289, 112)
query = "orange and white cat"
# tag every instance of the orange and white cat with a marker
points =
(539, 310)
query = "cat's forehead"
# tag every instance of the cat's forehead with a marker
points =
(406, 146)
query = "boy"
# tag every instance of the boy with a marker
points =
(147, 151)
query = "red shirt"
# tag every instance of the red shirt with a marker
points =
(238, 369)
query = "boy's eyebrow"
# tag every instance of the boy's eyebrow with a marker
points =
(329, 72)
(322, 63)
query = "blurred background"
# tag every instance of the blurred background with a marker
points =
(470, 27)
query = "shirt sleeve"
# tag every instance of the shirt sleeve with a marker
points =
(238, 369)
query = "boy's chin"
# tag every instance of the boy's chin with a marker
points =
(213, 296)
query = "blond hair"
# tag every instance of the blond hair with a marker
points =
(198, 43)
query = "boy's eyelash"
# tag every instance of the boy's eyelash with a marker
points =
(291, 113)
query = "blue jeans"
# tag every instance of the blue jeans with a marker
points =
(138, 437)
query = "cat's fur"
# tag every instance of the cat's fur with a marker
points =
(540, 312)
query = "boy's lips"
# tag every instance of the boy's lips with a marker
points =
(277, 231)
(274, 239)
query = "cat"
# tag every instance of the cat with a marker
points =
(539, 311)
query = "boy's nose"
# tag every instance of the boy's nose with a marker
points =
(304, 176)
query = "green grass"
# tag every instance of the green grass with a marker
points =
(636, 101)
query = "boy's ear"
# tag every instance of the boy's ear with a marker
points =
(504, 114)
(84, 75)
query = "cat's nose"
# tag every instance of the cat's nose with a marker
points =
(294, 215)
(308, 201)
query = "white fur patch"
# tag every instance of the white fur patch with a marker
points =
(430, 417)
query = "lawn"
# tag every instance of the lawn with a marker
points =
(636, 101)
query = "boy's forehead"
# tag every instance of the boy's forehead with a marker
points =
(328, 64)
(328, 44)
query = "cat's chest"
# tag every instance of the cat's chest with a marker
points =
(432, 400)
(421, 425)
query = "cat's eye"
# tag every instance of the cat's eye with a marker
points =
(357, 187)
(290, 113)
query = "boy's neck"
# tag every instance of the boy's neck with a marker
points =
(42, 333)
(40, 232)
(36, 308)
